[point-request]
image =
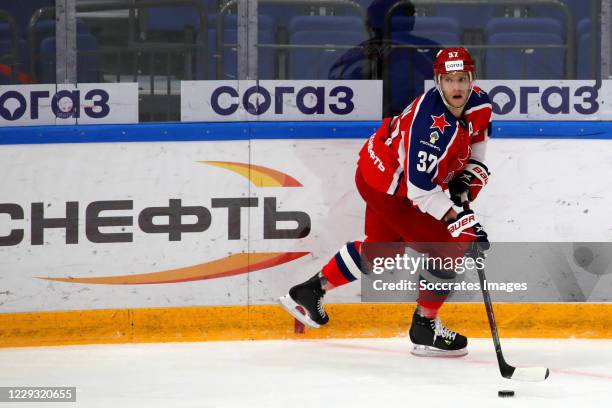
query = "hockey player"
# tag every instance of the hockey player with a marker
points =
(410, 173)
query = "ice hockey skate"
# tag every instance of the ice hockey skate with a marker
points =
(432, 339)
(305, 303)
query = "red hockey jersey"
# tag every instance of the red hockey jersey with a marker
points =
(418, 152)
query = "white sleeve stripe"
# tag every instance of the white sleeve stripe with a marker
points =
(478, 107)
(400, 167)
(395, 181)
(394, 133)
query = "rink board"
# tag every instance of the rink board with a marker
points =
(265, 322)
(152, 288)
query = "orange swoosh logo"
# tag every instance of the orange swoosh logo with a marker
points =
(231, 265)
(259, 175)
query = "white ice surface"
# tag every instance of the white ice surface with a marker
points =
(319, 373)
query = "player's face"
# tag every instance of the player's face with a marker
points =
(456, 88)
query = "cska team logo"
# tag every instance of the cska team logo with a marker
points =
(439, 122)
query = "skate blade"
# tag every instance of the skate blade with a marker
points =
(427, 351)
(297, 311)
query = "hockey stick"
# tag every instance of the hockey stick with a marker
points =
(506, 370)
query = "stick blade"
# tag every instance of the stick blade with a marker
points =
(532, 374)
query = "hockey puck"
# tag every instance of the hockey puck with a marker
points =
(505, 393)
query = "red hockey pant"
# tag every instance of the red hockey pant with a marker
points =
(393, 219)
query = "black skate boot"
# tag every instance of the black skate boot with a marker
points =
(305, 302)
(432, 339)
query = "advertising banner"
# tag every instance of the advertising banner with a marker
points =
(68, 104)
(553, 100)
(119, 225)
(199, 223)
(286, 100)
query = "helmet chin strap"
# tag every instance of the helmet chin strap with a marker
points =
(448, 105)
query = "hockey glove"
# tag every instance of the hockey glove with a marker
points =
(465, 228)
(470, 181)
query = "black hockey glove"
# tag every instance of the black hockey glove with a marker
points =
(470, 181)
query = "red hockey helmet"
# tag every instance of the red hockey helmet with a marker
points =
(449, 60)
